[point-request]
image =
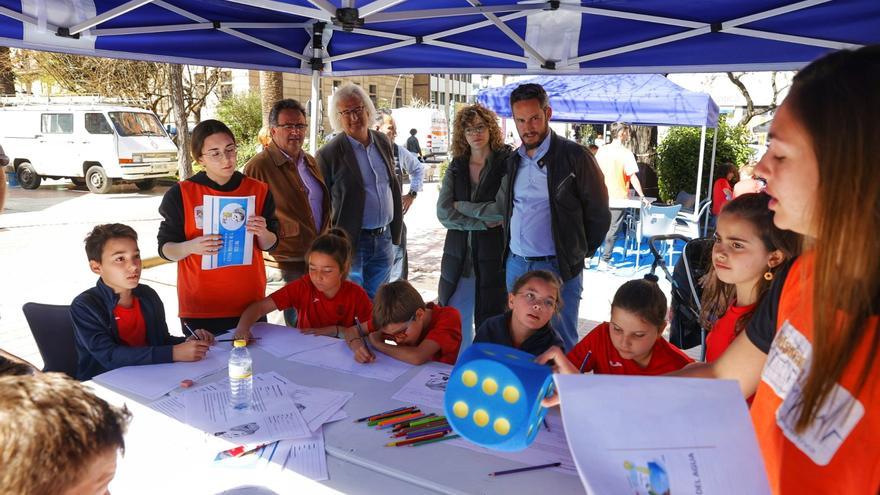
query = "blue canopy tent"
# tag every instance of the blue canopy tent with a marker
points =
(648, 99)
(349, 37)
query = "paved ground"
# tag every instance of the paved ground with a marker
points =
(42, 257)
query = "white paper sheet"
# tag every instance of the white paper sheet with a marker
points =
(305, 457)
(549, 446)
(427, 388)
(273, 415)
(642, 435)
(338, 357)
(317, 405)
(173, 407)
(155, 380)
(281, 341)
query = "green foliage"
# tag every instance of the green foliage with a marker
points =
(243, 115)
(246, 151)
(678, 157)
(441, 170)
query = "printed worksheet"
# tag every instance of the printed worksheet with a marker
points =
(428, 387)
(227, 216)
(658, 435)
(155, 380)
(338, 357)
(281, 341)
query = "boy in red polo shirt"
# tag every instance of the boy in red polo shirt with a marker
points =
(631, 343)
(420, 332)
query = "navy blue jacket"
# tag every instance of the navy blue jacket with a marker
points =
(97, 338)
(496, 330)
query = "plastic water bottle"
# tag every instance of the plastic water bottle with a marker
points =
(241, 376)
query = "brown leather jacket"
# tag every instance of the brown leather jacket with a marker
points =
(296, 229)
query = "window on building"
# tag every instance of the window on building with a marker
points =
(336, 84)
(442, 98)
(433, 97)
(398, 97)
(56, 123)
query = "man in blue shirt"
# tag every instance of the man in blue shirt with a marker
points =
(357, 166)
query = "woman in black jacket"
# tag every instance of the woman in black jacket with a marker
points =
(472, 269)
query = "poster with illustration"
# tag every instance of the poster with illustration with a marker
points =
(227, 216)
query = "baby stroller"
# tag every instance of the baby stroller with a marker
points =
(685, 330)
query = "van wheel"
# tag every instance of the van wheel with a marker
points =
(97, 180)
(146, 184)
(27, 176)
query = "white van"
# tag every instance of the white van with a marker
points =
(431, 126)
(90, 144)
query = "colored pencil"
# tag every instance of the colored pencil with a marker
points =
(433, 440)
(407, 424)
(233, 340)
(361, 420)
(522, 470)
(584, 362)
(430, 426)
(411, 414)
(427, 420)
(395, 424)
(388, 423)
(422, 433)
(401, 443)
(371, 421)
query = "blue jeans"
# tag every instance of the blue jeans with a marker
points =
(463, 300)
(371, 266)
(289, 276)
(564, 322)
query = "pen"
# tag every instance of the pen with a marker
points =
(530, 468)
(233, 340)
(191, 332)
(584, 362)
(362, 335)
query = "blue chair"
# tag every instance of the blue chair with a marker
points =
(53, 331)
(655, 220)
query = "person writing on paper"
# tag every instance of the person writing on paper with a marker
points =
(121, 322)
(535, 298)
(631, 343)
(748, 252)
(325, 302)
(810, 352)
(214, 299)
(57, 437)
(419, 332)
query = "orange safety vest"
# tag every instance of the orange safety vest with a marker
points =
(840, 451)
(222, 292)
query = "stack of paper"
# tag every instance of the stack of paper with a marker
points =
(338, 357)
(155, 380)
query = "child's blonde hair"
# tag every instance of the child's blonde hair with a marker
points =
(395, 302)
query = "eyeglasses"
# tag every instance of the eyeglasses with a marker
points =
(479, 129)
(293, 127)
(217, 155)
(532, 299)
(400, 334)
(352, 112)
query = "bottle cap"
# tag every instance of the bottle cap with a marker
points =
(240, 343)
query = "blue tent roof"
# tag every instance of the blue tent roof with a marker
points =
(648, 99)
(347, 37)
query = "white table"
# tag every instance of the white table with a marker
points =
(159, 448)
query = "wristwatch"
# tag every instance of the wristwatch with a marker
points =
(413, 194)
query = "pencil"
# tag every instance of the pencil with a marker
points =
(372, 420)
(530, 468)
(433, 440)
(407, 431)
(362, 335)
(191, 332)
(422, 433)
(407, 424)
(401, 443)
(427, 420)
(233, 340)
(388, 423)
(584, 362)
(361, 420)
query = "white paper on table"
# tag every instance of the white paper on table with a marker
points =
(338, 357)
(304, 456)
(227, 216)
(173, 407)
(273, 415)
(281, 341)
(428, 387)
(549, 446)
(681, 435)
(155, 380)
(307, 457)
(317, 405)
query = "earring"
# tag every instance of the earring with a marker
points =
(768, 275)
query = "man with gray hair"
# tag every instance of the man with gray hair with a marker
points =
(357, 166)
(302, 199)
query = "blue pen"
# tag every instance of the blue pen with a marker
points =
(584, 363)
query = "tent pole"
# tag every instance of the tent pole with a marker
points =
(711, 175)
(313, 112)
(700, 172)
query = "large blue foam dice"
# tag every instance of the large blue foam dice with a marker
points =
(493, 397)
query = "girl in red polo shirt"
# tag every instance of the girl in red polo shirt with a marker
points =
(326, 302)
(631, 343)
(747, 253)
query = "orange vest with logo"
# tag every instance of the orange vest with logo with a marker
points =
(222, 292)
(840, 451)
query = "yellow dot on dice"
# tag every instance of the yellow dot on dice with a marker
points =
(511, 394)
(469, 378)
(481, 417)
(460, 409)
(490, 386)
(502, 426)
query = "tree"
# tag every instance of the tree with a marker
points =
(7, 76)
(271, 90)
(241, 112)
(751, 111)
(175, 88)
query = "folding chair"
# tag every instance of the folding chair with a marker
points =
(654, 221)
(53, 331)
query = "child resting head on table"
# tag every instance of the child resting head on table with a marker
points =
(325, 302)
(534, 300)
(408, 329)
(631, 343)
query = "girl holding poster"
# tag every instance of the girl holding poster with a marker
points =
(215, 225)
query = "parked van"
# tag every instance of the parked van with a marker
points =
(431, 126)
(92, 144)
